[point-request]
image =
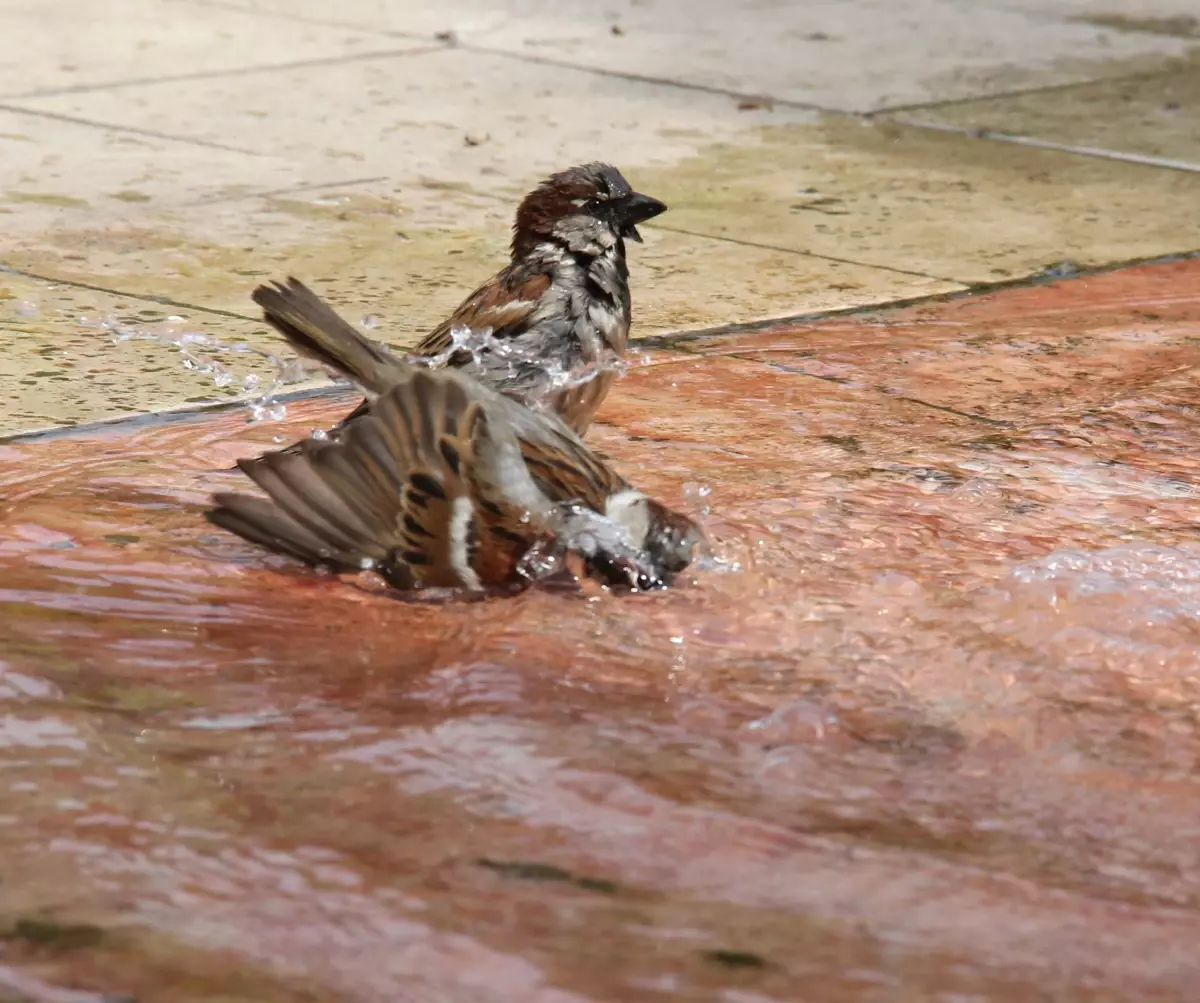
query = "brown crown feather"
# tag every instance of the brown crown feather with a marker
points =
(553, 199)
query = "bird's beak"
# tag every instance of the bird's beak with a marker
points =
(637, 208)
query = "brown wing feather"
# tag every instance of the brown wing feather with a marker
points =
(504, 304)
(313, 328)
(566, 470)
(396, 491)
(266, 524)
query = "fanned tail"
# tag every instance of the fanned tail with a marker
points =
(316, 331)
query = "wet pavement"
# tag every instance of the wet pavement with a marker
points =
(931, 733)
(159, 157)
(929, 730)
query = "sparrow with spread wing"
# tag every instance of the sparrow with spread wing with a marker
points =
(442, 481)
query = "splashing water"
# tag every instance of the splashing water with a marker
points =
(480, 342)
(198, 351)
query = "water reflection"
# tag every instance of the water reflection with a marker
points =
(937, 738)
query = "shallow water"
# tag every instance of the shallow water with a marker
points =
(936, 740)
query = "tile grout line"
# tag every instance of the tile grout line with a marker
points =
(1016, 92)
(808, 254)
(237, 71)
(644, 78)
(142, 297)
(1143, 160)
(679, 341)
(129, 129)
(308, 186)
(172, 415)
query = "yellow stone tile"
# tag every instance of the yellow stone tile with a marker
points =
(348, 247)
(941, 204)
(1155, 116)
(74, 355)
(45, 47)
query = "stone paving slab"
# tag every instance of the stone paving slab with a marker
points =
(48, 47)
(829, 54)
(1153, 116)
(362, 150)
(943, 205)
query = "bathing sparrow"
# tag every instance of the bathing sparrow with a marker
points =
(442, 482)
(562, 303)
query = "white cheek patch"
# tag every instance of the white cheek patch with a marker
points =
(462, 519)
(628, 509)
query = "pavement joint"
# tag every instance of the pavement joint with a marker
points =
(123, 294)
(323, 22)
(311, 186)
(1141, 159)
(682, 341)
(132, 130)
(237, 71)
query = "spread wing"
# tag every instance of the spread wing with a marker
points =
(411, 489)
(562, 466)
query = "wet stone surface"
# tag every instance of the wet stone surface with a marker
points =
(935, 740)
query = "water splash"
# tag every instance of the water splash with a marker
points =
(481, 342)
(581, 530)
(200, 351)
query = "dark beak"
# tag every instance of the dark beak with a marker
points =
(637, 208)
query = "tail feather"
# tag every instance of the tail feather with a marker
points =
(315, 330)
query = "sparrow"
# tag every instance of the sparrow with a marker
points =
(442, 481)
(561, 306)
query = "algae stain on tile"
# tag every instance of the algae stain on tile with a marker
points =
(1181, 26)
(46, 198)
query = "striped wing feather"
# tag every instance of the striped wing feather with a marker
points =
(398, 490)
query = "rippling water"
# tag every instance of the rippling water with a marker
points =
(937, 739)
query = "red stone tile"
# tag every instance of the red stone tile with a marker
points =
(939, 727)
(1017, 356)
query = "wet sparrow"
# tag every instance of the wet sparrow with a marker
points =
(442, 482)
(562, 303)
